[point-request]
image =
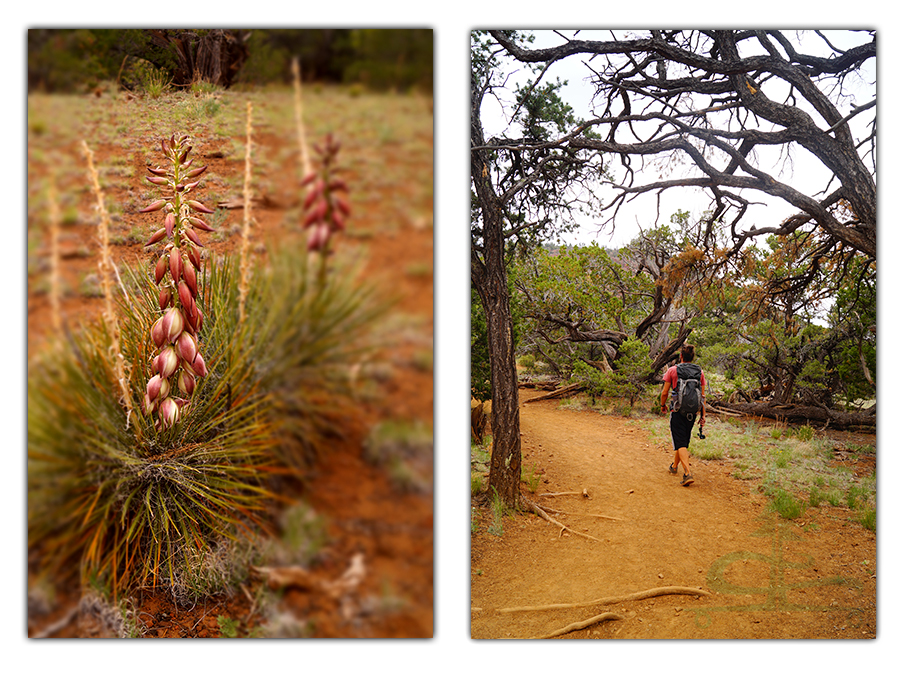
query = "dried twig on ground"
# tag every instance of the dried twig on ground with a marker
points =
(538, 510)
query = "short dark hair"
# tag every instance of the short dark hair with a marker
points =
(687, 353)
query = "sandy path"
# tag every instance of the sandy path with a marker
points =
(667, 535)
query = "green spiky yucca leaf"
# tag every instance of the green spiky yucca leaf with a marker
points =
(308, 333)
(111, 492)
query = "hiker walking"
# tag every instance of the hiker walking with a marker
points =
(687, 384)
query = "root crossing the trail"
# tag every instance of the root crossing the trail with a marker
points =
(603, 601)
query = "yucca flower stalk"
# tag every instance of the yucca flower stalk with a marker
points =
(178, 363)
(326, 209)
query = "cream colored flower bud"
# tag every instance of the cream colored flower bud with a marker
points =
(173, 323)
(157, 388)
(167, 362)
(158, 333)
(186, 383)
(186, 347)
(168, 413)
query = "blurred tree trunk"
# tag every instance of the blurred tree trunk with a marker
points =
(212, 56)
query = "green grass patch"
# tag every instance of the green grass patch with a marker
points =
(789, 465)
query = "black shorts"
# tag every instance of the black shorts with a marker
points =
(681, 430)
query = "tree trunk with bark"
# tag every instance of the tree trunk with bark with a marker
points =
(490, 282)
(213, 56)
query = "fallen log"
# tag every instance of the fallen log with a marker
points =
(561, 392)
(795, 413)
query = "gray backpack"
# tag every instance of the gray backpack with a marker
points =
(687, 392)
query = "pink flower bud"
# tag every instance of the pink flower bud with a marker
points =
(165, 297)
(338, 185)
(158, 333)
(186, 383)
(159, 172)
(199, 365)
(157, 388)
(314, 193)
(186, 347)
(172, 323)
(168, 413)
(199, 207)
(197, 319)
(158, 181)
(317, 237)
(200, 224)
(162, 264)
(196, 172)
(190, 277)
(184, 295)
(156, 205)
(149, 405)
(175, 264)
(194, 255)
(157, 237)
(342, 205)
(308, 179)
(192, 235)
(170, 224)
(316, 214)
(167, 361)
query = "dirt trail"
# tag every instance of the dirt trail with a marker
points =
(766, 577)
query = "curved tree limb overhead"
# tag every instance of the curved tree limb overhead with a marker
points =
(717, 98)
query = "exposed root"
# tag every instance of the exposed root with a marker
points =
(538, 510)
(579, 625)
(584, 493)
(582, 514)
(642, 595)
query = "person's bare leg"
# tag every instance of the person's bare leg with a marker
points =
(676, 461)
(681, 456)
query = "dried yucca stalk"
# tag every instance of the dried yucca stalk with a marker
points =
(298, 115)
(105, 267)
(245, 230)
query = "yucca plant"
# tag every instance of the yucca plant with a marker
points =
(135, 505)
(307, 337)
(137, 497)
(109, 492)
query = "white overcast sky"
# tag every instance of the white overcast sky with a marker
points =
(806, 173)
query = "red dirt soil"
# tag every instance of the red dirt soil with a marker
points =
(764, 577)
(363, 510)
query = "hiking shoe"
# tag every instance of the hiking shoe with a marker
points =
(673, 470)
(687, 480)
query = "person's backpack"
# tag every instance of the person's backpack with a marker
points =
(687, 394)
